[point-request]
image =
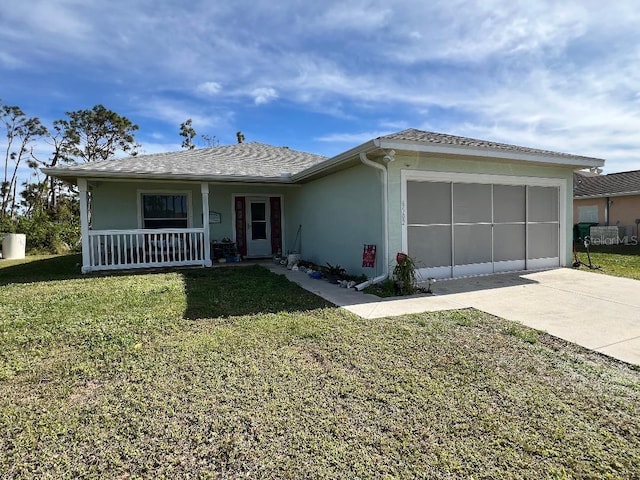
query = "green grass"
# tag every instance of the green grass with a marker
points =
(237, 373)
(617, 260)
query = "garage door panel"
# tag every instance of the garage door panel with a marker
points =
(428, 202)
(509, 243)
(472, 269)
(472, 244)
(509, 203)
(434, 272)
(543, 240)
(483, 228)
(509, 266)
(430, 246)
(543, 204)
(471, 203)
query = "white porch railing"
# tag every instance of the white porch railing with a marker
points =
(145, 248)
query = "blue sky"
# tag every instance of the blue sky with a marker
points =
(326, 76)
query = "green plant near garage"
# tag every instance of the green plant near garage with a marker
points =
(405, 275)
(334, 273)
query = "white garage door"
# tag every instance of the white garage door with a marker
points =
(456, 229)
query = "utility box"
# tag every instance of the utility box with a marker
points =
(605, 235)
(582, 230)
(14, 246)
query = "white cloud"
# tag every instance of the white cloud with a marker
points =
(209, 88)
(263, 95)
(560, 75)
(173, 113)
(10, 61)
(354, 15)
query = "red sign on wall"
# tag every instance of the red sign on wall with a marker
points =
(369, 256)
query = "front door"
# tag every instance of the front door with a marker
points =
(258, 227)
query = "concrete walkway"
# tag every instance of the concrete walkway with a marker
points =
(599, 312)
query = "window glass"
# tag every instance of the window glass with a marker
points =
(258, 231)
(588, 213)
(164, 211)
(258, 212)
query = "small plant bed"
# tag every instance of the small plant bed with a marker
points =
(403, 281)
(389, 288)
(334, 273)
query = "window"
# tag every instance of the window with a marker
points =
(588, 213)
(165, 210)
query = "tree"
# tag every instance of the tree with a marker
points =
(21, 132)
(188, 132)
(210, 140)
(62, 146)
(34, 197)
(96, 134)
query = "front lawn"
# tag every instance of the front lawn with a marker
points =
(616, 260)
(237, 373)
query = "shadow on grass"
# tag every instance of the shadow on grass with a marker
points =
(210, 292)
(633, 250)
(247, 290)
(59, 267)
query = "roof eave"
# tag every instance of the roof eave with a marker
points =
(605, 195)
(332, 162)
(67, 174)
(561, 160)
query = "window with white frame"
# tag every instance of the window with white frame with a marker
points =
(165, 210)
(588, 213)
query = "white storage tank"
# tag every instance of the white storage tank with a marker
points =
(14, 245)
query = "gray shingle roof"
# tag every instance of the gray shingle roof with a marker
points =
(414, 135)
(242, 160)
(604, 185)
(259, 162)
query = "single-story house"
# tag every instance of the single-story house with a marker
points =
(457, 205)
(609, 200)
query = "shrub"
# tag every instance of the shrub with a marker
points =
(54, 231)
(405, 274)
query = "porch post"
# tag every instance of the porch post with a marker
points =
(204, 187)
(84, 225)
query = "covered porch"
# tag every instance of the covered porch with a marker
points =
(117, 249)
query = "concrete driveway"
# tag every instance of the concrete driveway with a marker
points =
(599, 312)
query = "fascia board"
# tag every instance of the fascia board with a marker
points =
(477, 152)
(67, 173)
(605, 195)
(334, 161)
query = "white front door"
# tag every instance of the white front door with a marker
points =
(258, 227)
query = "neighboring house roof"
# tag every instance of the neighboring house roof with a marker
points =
(587, 185)
(257, 162)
